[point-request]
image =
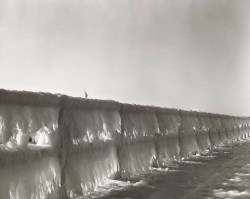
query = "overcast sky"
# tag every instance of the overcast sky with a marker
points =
(171, 53)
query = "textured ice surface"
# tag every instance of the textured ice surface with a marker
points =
(137, 150)
(52, 145)
(225, 132)
(28, 170)
(188, 134)
(29, 174)
(19, 123)
(167, 146)
(203, 139)
(92, 158)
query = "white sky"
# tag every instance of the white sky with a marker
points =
(171, 53)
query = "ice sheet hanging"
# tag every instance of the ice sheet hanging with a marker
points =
(93, 127)
(137, 151)
(168, 149)
(28, 155)
(188, 132)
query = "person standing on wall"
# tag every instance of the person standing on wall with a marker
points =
(86, 94)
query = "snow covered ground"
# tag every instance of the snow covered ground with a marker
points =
(221, 173)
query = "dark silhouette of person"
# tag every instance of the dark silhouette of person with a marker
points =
(86, 94)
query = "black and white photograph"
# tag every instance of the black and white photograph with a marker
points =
(124, 99)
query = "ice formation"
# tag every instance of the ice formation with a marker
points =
(168, 148)
(92, 155)
(56, 146)
(137, 151)
(214, 132)
(188, 134)
(203, 139)
(29, 170)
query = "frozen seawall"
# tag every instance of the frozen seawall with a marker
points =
(56, 146)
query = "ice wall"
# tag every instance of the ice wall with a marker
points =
(29, 166)
(93, 128)
(204, 127)
(29, 174)
(168, 146)
(225, 133)
(242, 127)
(215, 137)
(246, 123)
(188, 134)
(137, 152)
(237, 128)
(56, 146)
(233, 129)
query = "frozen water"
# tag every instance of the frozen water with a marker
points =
(203, 139)
(168, 146)
(92, 155)
(137, 151)
(188, 134)
(28, 170)
(58, 147)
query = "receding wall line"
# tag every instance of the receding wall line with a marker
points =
(137, 133)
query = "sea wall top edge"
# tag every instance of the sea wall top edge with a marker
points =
(29, 98)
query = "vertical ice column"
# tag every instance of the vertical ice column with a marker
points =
(230, 128)
(244, 127)
(188, 132)
(241, 128)
(213, 125)
(29, 170)
(137, 151)
(224, 129)
(93, 128)
(233, 129)
(168, 149)
(216, 128)
(237, 128)
(203, 139)
(238, 120)
(248, 126)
